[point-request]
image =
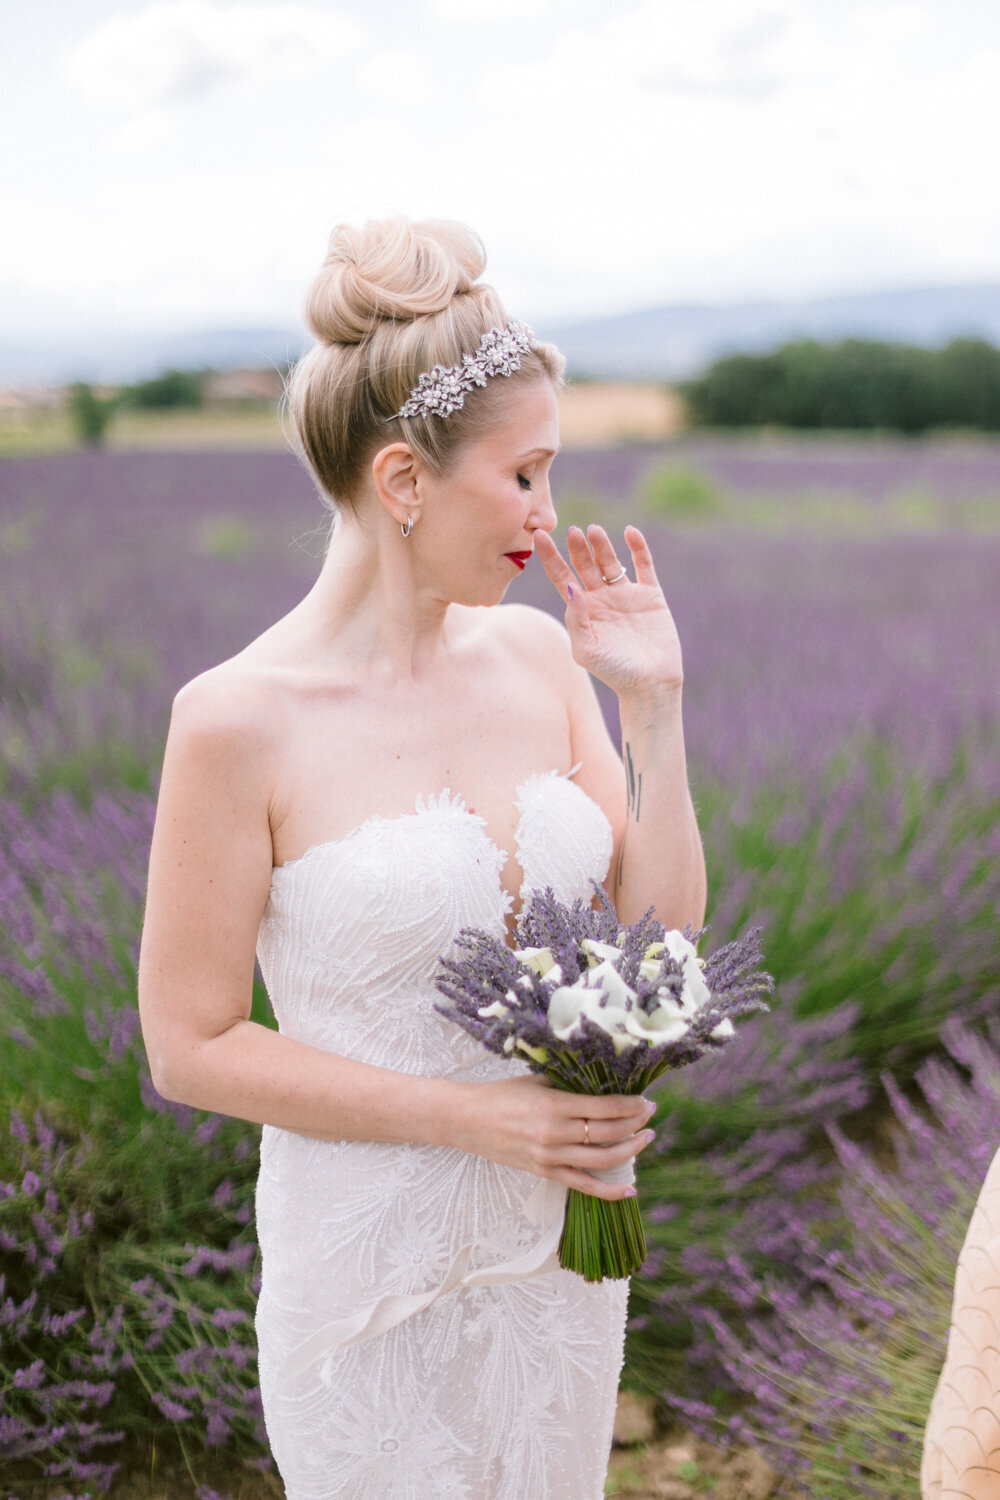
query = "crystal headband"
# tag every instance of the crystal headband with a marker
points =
(443, 390)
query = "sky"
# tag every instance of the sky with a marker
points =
(180, 164)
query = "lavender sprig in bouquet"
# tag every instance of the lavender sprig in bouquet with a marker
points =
(598, 1008)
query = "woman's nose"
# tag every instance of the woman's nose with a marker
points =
(543, 515)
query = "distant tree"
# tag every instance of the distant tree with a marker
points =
(857, 383)
(968, 376)
(733, 392)
(174, 388)
(90, 413)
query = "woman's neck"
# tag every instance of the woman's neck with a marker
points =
(369, 602)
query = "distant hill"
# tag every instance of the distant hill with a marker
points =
(117, 358)
(658, 343)
(670, 343)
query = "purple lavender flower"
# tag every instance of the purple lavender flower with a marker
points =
(596, 1007)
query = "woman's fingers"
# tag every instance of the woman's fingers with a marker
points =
(598, 1158)
(610, 1116)
(603, 1132)
(582, 558)
(581, 1162)
(555, 565)
(594, 559)
(645, 572)
(564, 1136)
(607, 563)
(585, 1182)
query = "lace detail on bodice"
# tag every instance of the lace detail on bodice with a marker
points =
(564, 839)
(415, 1334)
(353, 929)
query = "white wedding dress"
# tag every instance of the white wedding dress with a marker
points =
(417, 1338)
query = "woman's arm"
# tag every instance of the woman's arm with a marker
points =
(624, 634)
(660, 861)
(209, 877)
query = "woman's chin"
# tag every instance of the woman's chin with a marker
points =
(485, 595)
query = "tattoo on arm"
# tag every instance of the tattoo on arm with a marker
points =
(633, 788)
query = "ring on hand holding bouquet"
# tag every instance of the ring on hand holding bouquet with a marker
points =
(598, 1007)
(617, 578)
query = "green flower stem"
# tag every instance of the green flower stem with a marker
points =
(601, 1238)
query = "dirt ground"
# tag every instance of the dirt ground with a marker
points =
(645, 1466)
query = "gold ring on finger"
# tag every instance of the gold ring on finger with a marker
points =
(617, 578)
(586, 1132)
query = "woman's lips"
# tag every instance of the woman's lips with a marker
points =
(519, 559)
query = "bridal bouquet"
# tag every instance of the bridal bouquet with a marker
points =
(598, 1008)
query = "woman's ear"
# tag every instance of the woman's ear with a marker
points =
(394, 474)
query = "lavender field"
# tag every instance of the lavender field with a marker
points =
(840, 617)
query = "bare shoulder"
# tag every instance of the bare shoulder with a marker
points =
(232, 700)
(228, 723)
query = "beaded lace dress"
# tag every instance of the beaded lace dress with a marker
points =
(417, 1338)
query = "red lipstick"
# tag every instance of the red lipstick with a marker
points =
(519, 559)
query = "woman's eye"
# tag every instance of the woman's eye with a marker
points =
(524, 481)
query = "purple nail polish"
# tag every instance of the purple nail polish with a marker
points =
(569, 590)
(631, 1192)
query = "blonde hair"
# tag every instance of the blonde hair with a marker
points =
(393, 299)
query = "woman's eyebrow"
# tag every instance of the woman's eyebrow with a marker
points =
(542, 452)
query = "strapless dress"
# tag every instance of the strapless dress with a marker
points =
(417, 1337)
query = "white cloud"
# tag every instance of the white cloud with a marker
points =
(184, 48)
(399, 76)
(474, 12)
(660, 150)
(696, 150)
(733, 47)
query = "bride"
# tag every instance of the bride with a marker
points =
(390, 762)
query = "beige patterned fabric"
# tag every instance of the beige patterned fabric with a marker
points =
(961, 1459)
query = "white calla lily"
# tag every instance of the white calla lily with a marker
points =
(662, 1025)
(539, 959)
(497, 1009)
(565, 1008)
(614, 1020)
(724, 1029)
(696, 992)
(675, 1009)
(680, 948)
(606, 978)
(597, 952)
(652, 962)
(539, 1054)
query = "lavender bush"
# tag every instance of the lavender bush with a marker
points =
(841, 628)
(868, 970)
(126, 1244)
(841, 1349)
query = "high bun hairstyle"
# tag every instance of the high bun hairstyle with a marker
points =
(393, 299)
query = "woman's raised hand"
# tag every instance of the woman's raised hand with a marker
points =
(526, 1123)
(621, 631)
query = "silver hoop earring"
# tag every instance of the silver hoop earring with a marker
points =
(408, 527)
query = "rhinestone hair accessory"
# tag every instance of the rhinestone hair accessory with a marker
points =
(443, 390)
